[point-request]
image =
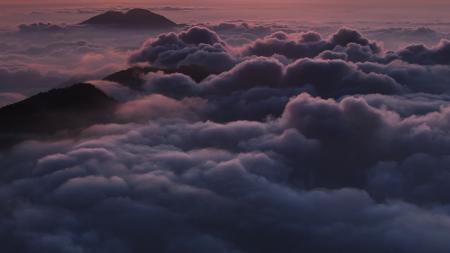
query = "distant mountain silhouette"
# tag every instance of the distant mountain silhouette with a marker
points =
(134, 18)
(47, 113)
(132, 77)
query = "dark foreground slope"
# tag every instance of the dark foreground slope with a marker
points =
(47, 113)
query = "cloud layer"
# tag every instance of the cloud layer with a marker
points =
(292, 143)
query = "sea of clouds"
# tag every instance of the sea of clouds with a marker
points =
(296, 142)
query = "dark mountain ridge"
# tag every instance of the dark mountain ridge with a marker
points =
(73, 108)
(46, 113)
(132, 77)
(134, 18)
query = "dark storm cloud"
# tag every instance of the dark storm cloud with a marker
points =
(370, 75)
(310, 44)
(348, 45)
(420, 54)
(197, 46)
(344, 150)
(418, 78)
(259, 72)
(199, 35)
(250, 83)
(357, 135)
(352, 52)
(341, 78)
(260, 87)
(169, 180)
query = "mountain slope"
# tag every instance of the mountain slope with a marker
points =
(133, 77)
(46, 113)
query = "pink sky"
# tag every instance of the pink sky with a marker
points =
(311, 10)
(261, 3)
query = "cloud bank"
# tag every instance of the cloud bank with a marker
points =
(292, 143)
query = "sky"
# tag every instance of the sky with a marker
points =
(291, 8)
(260, 3)
(287, 9)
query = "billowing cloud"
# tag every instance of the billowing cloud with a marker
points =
(341, 78)
(170, 180)
(196, 47)
(285, 145)
(418, 78)
(423, 55)
(310, 44)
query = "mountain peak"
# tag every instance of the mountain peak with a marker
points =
(138, 18)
